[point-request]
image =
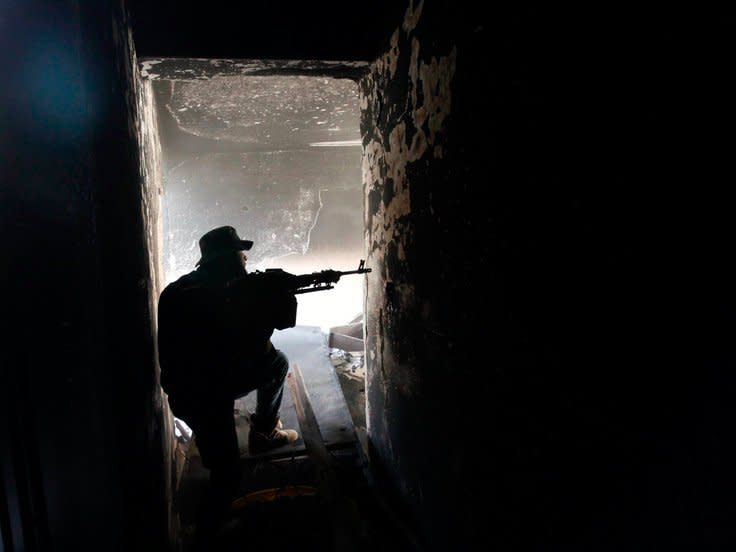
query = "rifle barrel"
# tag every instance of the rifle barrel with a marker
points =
(359, 271)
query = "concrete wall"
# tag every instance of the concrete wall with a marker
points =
(548, 314)
(83, 440)
(152, 197)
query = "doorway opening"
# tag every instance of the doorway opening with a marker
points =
(273, 148)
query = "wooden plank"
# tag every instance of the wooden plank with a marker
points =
(343, 515)
(307, 420)
(307, 347)
(352, 330)
(345, 342)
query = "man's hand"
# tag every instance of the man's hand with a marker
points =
(331, 275)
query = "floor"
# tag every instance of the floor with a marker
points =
(316, 494)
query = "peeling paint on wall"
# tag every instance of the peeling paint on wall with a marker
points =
(393, 141)
(412, 16)
(406, 99)
(385, 164)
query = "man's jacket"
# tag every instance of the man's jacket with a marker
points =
(208, 329)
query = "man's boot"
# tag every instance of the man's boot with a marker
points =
(267, 436)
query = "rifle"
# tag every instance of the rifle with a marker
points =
(279, 288)
(296, 284)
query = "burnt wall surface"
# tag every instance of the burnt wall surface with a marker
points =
(82, 462)
(550, 315)
(326, 30)
(160, 427)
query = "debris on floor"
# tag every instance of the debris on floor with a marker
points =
(350, 371)
(351, 363)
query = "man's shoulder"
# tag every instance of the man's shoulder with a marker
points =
(184, 283)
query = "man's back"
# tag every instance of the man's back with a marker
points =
(189, 340)
(208, 327)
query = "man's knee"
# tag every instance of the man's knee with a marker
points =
(281, 364)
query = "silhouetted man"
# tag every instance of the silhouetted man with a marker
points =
(214, 330)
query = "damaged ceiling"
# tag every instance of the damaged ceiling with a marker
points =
(267, 113)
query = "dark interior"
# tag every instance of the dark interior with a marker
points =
(549, 318)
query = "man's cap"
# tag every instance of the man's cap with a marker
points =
(218, 241)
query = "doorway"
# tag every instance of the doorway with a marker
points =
(272, 148)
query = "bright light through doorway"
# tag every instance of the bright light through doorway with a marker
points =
(278, 158)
